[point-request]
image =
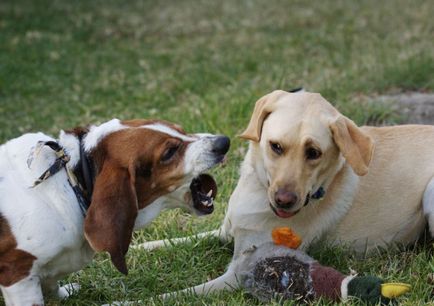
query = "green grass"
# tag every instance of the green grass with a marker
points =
(203, 64)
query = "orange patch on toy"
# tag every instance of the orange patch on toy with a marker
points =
(285, 236)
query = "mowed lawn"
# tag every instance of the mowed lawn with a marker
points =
(203, 64)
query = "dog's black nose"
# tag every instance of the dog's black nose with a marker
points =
(284, 198)
(221, 145)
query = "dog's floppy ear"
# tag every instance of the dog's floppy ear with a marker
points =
(109, 222)
(355, 145)
(263, 107)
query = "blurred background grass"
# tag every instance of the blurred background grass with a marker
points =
(203, 64)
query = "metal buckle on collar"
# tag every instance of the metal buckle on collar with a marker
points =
(59, 163)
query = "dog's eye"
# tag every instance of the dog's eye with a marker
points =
(312, 153)
(277, 148)
(169, 154)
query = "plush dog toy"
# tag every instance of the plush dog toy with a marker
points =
(277, 270)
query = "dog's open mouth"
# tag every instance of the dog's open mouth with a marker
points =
(203, 190)
(282, 213)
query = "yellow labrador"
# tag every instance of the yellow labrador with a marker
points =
(312, 169)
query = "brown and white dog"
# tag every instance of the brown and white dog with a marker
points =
(312, 169)
(138, 168)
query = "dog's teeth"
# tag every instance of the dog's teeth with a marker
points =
(209, 194)
(206, 203)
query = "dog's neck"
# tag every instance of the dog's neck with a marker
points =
(81, 164)
(71, 143)
(327, 181)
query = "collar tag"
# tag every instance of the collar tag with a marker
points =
(319, 194)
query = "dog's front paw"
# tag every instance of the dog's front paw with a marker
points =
(68, 290)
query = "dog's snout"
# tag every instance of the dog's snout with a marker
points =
(284, 198)
(221, 145)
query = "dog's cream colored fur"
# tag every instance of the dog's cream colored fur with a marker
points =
(377, 180)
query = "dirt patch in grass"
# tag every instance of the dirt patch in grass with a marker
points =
(413, 107)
